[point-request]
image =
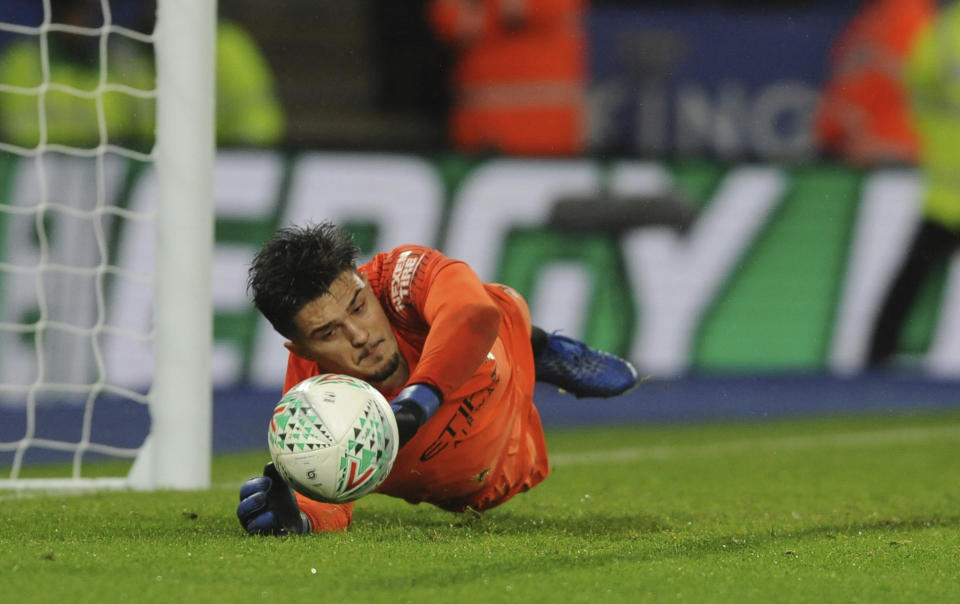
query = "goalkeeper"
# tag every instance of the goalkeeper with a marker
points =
(456, 357)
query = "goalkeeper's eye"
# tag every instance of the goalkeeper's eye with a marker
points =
(359, 308)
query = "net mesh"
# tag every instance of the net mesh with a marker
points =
(77, 192)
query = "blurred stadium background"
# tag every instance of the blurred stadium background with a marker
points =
(698, 228)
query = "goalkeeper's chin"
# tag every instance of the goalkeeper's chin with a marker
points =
(386, 370)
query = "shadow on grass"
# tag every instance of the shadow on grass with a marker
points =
(916, 523)
(502, 522)
(593, 524)
(545, 546)
(587, 525)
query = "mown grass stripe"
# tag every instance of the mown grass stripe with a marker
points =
(791, 443)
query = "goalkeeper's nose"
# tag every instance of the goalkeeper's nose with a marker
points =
(357, 334)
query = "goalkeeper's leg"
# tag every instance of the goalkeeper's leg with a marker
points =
(578, 369)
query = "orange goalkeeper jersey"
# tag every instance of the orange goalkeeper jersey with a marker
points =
(485, 443)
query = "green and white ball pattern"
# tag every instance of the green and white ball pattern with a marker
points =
(333, 438)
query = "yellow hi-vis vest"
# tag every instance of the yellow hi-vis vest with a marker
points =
(933, 82)
(65, 106)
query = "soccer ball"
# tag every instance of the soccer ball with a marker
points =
(333, 438)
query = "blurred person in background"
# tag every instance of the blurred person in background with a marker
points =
(74, 61)
(863, 118)
(519, 76)
(247, 109)
(932, 80)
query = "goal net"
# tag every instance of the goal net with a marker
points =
(106, 141)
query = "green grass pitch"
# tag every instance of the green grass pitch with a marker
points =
(817, 510)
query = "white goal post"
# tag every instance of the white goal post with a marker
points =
(176, 453)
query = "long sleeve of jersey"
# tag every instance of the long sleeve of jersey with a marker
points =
(326, 517)
(464, 323)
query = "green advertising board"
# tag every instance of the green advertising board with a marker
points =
(763, 268)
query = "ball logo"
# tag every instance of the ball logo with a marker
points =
(361, 460)
(354, 481)
(312, 474)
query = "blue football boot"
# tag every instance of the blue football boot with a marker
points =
(582, 371)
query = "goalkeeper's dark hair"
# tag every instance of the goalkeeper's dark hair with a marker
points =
(295, 266)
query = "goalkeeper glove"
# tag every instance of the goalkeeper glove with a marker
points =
(269, 507)
(413, 407)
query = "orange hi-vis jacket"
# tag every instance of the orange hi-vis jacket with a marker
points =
(864, 114)
(485, 443)
(520, 74)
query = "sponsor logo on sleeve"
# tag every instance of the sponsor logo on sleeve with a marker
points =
(403, 272)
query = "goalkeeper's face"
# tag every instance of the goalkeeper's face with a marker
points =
(346, 331)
